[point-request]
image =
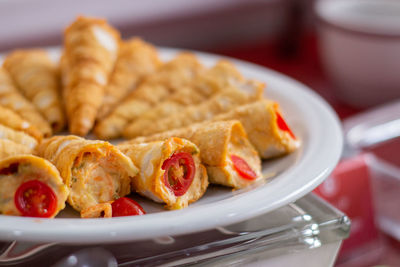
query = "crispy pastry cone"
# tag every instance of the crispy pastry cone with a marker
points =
(265, 126)
(94, 171)
(10, 98)
(136, 58)
(10, 148)
(178, 72)
(90, 51)
(170, 171)
(17, 137)
(220, 103)
(11, 119)
(30, 186)
(37, 77)
(171, 76)
(221, 144)
(221, 76)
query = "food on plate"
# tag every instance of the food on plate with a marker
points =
(170, 77)
(12, 99)
(229, 157)
(219, 103)
(136, 59)
(170, 171)
(10, 148)
(90, 51)
(191, 125)
(95, 171)
(267, 130)
(36, 75)
(30, 186)
(17, 137)
(11, 119)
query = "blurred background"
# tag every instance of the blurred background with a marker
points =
(347, 53)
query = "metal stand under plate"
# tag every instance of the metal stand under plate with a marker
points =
(307, 232)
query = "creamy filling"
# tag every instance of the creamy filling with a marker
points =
(96, 179)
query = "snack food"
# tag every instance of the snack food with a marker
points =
(12, 99)
(136, 59)
(11, 148)
(170, 171)
(265, 126)
(95, 171)
(90, 51)
(175, 74)
(220, 103)
(30, 186)
(11, 119)
(222, 76)
(37, 77)
(229, 157)
(17, 137)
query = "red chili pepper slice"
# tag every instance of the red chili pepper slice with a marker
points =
(126, 207)
(179, 172)
(283, 125)
(35, 199)
(243, 168)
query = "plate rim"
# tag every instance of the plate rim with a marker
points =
(75, 231)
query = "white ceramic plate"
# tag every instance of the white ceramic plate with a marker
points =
(311, 119)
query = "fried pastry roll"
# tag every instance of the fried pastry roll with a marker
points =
(17, 137)
(267, 129)
(11, 98)
(170, 77)
(220, 103)
(11, 119)
(136, 59)
(10, 148)
(36, 75)
(221, 76)
(170, 171)
(226, 152)
(94, 171)
(90, 51)
(30, 186)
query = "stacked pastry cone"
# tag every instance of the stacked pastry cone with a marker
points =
(171, 76)
(217, 141)
(11, 119)
(94, 171)
(218, 104)
(12, 99)
(38, 79)
(90, 51)
(25, 181)
(136, 59)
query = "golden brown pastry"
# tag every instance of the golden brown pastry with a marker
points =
(170, 77)
(226, 152)
(136, 59)
(10, 148)
(30, 186)
(36, 75)
(170, 171)
(265, 126)
(11, 119)
(222, 76)
(17, 137)
(90, 51)
(10, 98)
(220, 103)
(94, 171)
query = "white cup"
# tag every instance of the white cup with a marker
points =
(359, 42)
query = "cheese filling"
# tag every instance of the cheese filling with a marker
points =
(97, 179)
